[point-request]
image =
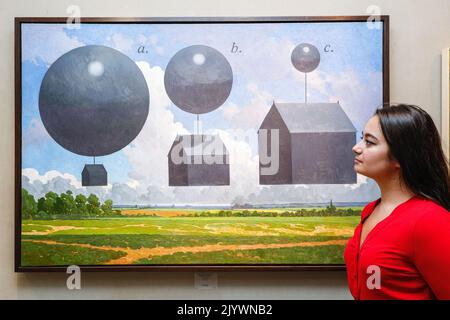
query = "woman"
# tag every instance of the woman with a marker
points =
(401, 248)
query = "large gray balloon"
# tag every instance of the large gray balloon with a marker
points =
(198, 79)
(93, 100)
(305, 57)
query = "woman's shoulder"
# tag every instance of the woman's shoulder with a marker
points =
(422, 206)
(429, 216)
(417, 208)
(431, 231)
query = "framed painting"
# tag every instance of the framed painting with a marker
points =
(446, 101)
(193, 144)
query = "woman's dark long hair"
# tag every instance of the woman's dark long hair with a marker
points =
(415, 143)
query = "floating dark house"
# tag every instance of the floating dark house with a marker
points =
(315, 144)
(198, 160)
(94, 175)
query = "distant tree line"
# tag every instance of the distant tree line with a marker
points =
(329, 211)
(65, 204)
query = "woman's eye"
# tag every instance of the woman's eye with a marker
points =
(367, 141)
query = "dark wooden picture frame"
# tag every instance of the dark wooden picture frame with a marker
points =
(445, 112)
(19, 21)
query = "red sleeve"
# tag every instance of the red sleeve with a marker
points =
(432, 250)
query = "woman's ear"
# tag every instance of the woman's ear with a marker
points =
(394, 161)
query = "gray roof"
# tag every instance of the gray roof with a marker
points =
(94, 169)
(314, 117)
(195, 144)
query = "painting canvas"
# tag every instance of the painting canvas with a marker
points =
(193, 144)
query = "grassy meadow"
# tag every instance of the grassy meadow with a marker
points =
(178, 236)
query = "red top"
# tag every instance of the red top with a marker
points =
(409, 250)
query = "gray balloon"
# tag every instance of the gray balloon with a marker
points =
(93, 100)
(305, 57)
(198, 79)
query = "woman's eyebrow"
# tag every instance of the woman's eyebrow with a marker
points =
(368, 135)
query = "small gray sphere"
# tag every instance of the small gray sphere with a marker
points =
(305, 57)
(198, 79)
(93, 100)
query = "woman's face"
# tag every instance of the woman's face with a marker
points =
(372, 153)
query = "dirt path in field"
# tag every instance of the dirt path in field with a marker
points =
(268, 230)
(133, 255)
(52, 230)
(214, 228)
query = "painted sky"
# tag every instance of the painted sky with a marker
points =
(351, 73)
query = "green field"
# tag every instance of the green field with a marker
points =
(186, 240)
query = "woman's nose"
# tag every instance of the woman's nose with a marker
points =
(357, 149)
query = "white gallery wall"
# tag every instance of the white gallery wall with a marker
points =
(419, 30)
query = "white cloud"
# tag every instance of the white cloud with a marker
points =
(243, 188)
(33, 175)
(230, 111)
(147, 154)
(122, 43)
(249, 116)
(316, 80)
(364, 191)
(244, 166)
(38, 185)
(46, 42)
(133, 183)
(358, 97)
